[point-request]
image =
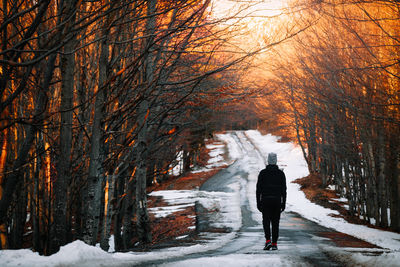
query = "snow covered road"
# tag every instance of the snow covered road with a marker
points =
(299, 243)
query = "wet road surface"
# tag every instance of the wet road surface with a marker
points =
(300, 243)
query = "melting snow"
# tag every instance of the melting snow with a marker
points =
(289, 158)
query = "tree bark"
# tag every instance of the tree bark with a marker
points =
(119, 210)
(129, 212)
(19, 217)
(14, 178)
(35, 199)
(108, 213)
(396, 178)
(382, 179)
(143, 221)
(373, 194)
(64, 159)
(96, 152)
(394, 183)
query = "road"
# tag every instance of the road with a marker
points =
(301, 241)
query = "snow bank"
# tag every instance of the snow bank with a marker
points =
(216, 159)
(78, 253)
(234, 150)
(364, 256)
(70, 254)
(290, 158)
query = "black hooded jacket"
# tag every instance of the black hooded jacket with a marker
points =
(271, 183)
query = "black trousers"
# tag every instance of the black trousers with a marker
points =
(271, 212)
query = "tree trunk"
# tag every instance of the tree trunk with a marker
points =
(64, 160)
(396, 178)
(11, 181)
(19, 217)
(394, 183)
(119, 211)
(312, 150)
(350, 193)
(108, 213)
(373, 194)
(80, 145)
(382, 180)
(303, 150)
(129, 212)
(186, 158)
(143, 221)
(3, 158)
(362, 203)
(96, 152)
(35, 199)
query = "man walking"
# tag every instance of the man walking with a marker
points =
(271, 199)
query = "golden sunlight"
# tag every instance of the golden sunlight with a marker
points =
(252, 9)
(261, 21)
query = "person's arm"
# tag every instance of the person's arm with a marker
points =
(283, 192)
(258, 192)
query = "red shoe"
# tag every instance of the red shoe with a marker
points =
(274, 246)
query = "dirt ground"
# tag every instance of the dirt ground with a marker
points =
(182, 223)
(312, 187)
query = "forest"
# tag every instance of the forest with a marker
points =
(339, 96)
(99, 97)
(97, 100)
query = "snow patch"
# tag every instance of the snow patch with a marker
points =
(225, 205)
(238, 260)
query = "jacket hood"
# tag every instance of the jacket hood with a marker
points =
(270, 166)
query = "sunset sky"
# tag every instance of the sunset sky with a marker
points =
(258, 9)
(260, 20)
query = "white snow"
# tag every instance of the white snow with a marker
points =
(226, 203)
(177, 170)
(160, 212)
(238, 260)
(342, 199)
(364, 257)
(216, 157)
(331, 187)
(290, 159)
(70, 254)
(78, 253)
(295, 167)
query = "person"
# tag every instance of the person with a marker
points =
(271, 199)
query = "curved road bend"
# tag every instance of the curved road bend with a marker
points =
(299, 242)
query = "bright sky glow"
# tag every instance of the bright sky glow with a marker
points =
(259, 19)
(260, 9)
